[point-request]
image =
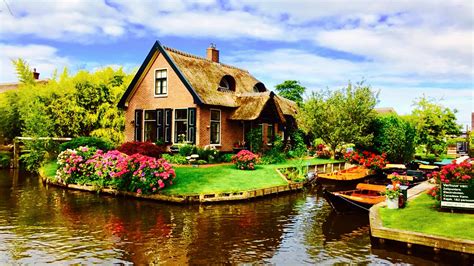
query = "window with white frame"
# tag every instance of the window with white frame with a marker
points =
(161, 82)
(180, 125)
(215, 126)
(270, 133)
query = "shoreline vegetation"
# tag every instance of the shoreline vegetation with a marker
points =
(217, 179)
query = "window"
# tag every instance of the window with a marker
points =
(150, 126)
(161, 82)
(270, 133)
(259, 87)
(215, 126)
(227, 84)
(180, 125)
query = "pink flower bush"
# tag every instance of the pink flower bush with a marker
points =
(137, 173)
(245, 160)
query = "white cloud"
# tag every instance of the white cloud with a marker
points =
(317, 72)
(42, 57)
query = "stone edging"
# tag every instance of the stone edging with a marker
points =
(198, 198)
(437, 242)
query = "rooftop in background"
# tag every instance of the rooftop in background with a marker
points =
(385, 110)
(4, 87)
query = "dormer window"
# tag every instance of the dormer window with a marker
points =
(259, 87)
(227, 83)
(161, 82)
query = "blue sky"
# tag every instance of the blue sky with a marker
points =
(405, 49)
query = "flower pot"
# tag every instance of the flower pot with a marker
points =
(392, 203)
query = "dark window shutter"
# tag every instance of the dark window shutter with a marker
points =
(167, 130)
(160, 127)
(192, 125)
(138, 124)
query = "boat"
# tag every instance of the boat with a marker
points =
(354, 173)
(359, 199)
(406, 176)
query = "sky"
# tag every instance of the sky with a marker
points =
(404, 49)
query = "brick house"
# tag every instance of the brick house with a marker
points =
(177, 96)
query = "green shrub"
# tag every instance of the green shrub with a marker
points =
(175, 159)
(39, 152)
(4, 160)
(201, 162)
(187, 150)
(275, 155)
(94, 142)
(226, 157)
(297, 146)
(209, 154)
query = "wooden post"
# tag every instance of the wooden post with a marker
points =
(332, 168)
(16, 154)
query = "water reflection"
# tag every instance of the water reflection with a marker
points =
(41, 224)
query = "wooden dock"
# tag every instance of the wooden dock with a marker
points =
(377, 230)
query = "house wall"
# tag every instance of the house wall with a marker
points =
(143, 96)
(231, 131)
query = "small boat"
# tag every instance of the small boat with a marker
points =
(359, 199)
(350, 174)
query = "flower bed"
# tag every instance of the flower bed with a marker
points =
(367, 159)
(136, 173)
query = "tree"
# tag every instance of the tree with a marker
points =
(393, 136)
(433, 123)
(291, 90)
(341, 116)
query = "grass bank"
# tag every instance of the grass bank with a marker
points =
(219, 178)
(420, 216)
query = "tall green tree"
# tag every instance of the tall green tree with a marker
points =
(292, 90)
(393, 136)
(433, 123)
(341, 116)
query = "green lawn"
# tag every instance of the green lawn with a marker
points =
(421, 216)
(220, 178)
(226, 178)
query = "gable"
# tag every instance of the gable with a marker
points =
(145, 69)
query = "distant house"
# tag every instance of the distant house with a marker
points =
(385, 110)
(4, 87)
(177, 96)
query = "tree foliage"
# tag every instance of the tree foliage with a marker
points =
(292, 90)
(71, 106)
(393, 136)
(341, 116)
(433, 123)
(84, 104)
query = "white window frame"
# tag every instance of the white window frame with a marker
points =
(220, 127)
(174, 128)
(154, 83)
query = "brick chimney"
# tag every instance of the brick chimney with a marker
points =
(213, 53)
(36, 75)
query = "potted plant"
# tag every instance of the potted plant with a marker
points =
(392, 195)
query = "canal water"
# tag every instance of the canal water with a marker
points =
(44, 224)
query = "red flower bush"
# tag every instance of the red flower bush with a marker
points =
(143, 148)
(367, 159)
(451, 173)
(245, 160)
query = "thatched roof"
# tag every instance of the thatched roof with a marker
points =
(385, 110)
(205, 75)
(4, 87)
(202, 76)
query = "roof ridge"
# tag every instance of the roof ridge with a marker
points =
(200, 58)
